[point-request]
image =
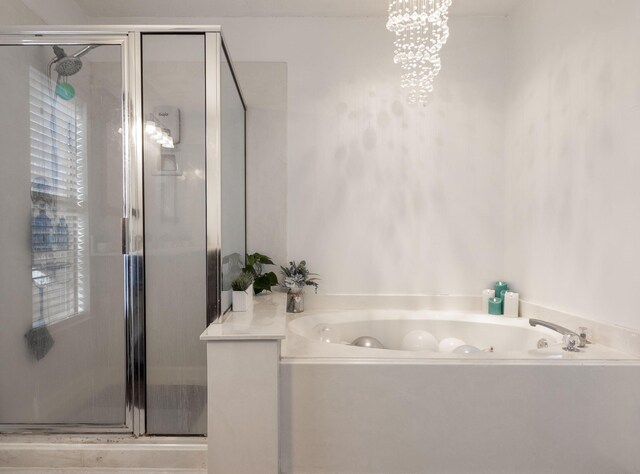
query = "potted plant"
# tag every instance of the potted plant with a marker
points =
(296, 277)
(254, 266)
(242, 295)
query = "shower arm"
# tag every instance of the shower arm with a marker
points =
(60, 54)
(85, 50)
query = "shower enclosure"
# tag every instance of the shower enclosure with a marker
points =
(123, 223)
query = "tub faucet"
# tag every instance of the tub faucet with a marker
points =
(571, 339)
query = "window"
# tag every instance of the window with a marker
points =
(59, 219)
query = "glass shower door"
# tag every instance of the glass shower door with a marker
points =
(173, 85)
(62, 342)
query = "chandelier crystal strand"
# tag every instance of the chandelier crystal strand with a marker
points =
(421, 29)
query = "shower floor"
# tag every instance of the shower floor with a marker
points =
(176, 409)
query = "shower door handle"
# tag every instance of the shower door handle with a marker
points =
(124, 225)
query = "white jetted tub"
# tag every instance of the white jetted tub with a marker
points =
(407, 334)
(348, 409)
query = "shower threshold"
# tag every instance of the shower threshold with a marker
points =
(102, 453)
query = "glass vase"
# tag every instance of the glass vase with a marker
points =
(295, 301)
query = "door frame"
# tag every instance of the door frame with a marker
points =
(132, 230)
(129, 37)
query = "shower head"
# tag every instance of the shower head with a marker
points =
(66, 65)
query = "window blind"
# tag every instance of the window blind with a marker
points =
(59, 219)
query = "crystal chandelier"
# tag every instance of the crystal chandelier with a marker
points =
(421, 30)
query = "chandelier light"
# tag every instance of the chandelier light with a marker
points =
(421, 31)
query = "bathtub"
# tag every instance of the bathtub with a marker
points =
(497, 337)
(347, 409)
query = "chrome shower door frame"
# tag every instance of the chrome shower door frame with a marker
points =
(132, 221)
(213, 173)
(129, 37)
(216, 49)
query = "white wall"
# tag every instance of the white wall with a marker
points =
(572, 146)
(384, 198)
(426, 215)
(15, 12)
(264, 88)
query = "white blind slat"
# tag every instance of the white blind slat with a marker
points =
(58, 223)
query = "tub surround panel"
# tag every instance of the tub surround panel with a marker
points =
(243, 364)
(399, 418)
(243, 406)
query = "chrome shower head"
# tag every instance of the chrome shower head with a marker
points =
(68, 66)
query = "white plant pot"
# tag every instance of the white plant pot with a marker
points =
(242, 300)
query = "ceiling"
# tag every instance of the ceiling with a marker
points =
(271, 8)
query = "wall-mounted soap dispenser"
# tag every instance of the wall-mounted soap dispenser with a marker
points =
(169, 117)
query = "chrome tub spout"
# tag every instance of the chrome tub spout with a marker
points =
(571, 339)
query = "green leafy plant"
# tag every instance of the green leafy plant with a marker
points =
(254, 266)
(242, 282)
(296, 276)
